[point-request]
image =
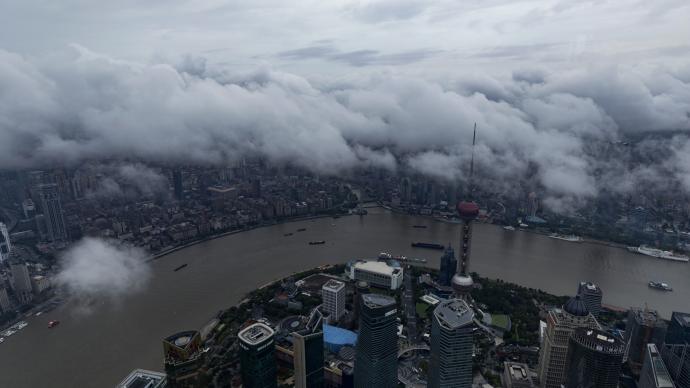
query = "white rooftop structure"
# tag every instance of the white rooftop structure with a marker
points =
(255, 334)
(377, 273)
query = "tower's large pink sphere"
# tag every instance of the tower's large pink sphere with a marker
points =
(468, 209)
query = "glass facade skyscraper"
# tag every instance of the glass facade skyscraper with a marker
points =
(451, 345)
(376, 359)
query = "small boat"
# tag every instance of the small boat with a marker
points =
(660, 286)
(38, 314)
(419, 226)
(2, 339)
(317, 242)
(569, 238)
(301, 229)
(21, 325)
(287, 234)
(427, 245)
(509, 227)
(52, 324)
(180, 267)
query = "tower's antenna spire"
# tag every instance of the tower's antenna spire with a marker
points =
(471, 180)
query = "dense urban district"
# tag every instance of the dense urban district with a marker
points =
(368, 323)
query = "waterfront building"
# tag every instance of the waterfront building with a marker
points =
(516, 375)
(591, 295)
(5, 243)
(21, 282)
(52, 210)
(448, 267)
(654, 373)
(676, 349)
(257, 356)
(141, 378)
(377, 273)
(308, 353)
(5, 305)
(560, 323)
(451, 345)
(333, 293)
(376, 359)
(183, 359)
(594, 359)
(643, 327)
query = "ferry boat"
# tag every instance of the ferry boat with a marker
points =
(317, 242)
(570, 237)
(20, 325)
(509, 227)
(427, 245)
(660, 286)
(388, 256)
(52, 324)
(661, 254)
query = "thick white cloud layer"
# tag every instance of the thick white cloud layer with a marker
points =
(94, 268)
(560, 128)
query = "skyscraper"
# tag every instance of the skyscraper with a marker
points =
(5, 244)
(594, 359)
(333, 295)
(654, 373)
(177, 184)
(21, 281)
(4, 301)
(642, 328)
(52, 210)
(361, 288)
(376, 359)
(591, 294)
(448, 267)
(308, 353)
(451, 345)
(468, 211)
(257, 356)
(560, 323)
(676, 349)
(183, 359)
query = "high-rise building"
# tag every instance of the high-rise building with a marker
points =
(183, 358)
(594, 359)
(361, 288)
(22, 282)
(532, 204)
(560, 323)
(516, 375)
(5, 244)
(654, 373)
(642, 328)
(679, 328)
(591, 294)
(376, 358)
(448, 267)
(333, 293)
(308, 353)
(140, 378)
(5, 305)
(52, 210)
(257, 356)
(451, 345)
(676, 349)
(177, 184)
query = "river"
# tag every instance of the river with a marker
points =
(99, 348)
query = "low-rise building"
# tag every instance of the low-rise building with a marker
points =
(516, 375)
(377, 273)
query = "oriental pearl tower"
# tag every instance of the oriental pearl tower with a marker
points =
(468, 210)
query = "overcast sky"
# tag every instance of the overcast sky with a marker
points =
(555, 87)
(341, 36)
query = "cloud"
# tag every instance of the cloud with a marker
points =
(97, 268)
(358, 57)
(128, 180)
(566, 133)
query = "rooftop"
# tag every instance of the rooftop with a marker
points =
(377, 267)
(517, 371)
(661, 375)
(454, 313)
(598, 340)
(377, 301)
(255, 334)
(682, 318)
(333, 285)
(140, 378)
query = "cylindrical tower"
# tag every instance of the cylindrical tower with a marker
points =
(462, 281)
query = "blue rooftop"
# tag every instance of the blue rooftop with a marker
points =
(335, 338)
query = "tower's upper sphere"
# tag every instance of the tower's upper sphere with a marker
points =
(468, 210)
